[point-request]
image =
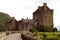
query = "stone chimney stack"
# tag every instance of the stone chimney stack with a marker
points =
(45, 4)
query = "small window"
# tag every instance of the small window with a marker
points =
(46, 18)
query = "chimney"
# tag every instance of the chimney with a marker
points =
(45, 4)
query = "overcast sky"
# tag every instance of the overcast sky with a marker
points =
(25, 8)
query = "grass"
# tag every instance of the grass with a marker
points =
(48, 35)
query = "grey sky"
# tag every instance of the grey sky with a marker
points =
(24, 8)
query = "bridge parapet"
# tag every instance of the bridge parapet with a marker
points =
(11, 32)
(28, 36)
(25, 35)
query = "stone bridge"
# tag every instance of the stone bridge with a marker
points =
(17, 35)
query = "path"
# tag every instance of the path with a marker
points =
(16, 36)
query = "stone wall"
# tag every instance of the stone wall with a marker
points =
(14, 25)
(28, 36)
(11, 24)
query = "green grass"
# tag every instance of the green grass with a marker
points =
(48, 35)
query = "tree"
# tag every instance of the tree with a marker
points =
(3, 18)
(55, 29)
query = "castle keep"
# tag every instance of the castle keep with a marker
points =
(42, 16)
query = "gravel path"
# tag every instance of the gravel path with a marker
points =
(16, 36)
(2, 34)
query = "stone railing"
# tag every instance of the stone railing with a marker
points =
(11, 32)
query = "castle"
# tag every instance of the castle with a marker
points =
(42, 16)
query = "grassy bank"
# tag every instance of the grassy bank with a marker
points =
(48, 35)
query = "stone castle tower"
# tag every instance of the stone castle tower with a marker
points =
(43, 16)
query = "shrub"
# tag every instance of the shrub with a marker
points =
(58, 35)
(53, 33)
(44, 35)
(33, 30)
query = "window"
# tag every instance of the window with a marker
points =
(46, 18)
